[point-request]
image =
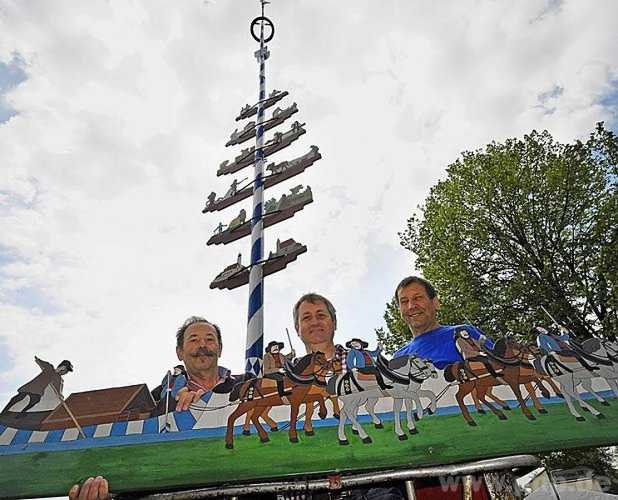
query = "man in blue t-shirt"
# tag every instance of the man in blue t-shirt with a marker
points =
(418, 304)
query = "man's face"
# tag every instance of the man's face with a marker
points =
(355, 345)
(417, 309)
(200, 348)
(274, 349)
(315, 326)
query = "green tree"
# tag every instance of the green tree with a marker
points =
(522, 224)
(397, 332)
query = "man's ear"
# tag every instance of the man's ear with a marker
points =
(179, 354)
(436, 303)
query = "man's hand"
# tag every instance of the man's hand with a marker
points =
(185, 398)
(92, 489)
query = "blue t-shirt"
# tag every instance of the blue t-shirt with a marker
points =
(438, 345)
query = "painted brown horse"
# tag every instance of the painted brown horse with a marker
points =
(299, 388)
(512, 361)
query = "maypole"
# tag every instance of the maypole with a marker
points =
(255, 319)
(263, 213)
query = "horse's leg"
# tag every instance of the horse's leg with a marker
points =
(335, 401)
(587, 384)
(231, 420)
(310, 399)
(463, 391)
(554, 386)
(567, 389)
(410, 416)
(477, 403)
(255, 418)
(246, 427)
(503, 404)
(416, 397)
(298, 396)
(266, 417)
(397, 404)
(613, 384)
(512, 378)
(481, 394)
(308, 424)
(371, 409)
(433, 403)
(352, 412)
(535, 400)
(544, 390)
(322, 412)
(357, 403)
(343, 440)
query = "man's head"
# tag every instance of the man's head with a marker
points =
(198, 344)
(418, 304)
(315, 319)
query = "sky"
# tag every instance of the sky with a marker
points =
(114, 117)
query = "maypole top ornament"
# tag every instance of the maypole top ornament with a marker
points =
(261, 20)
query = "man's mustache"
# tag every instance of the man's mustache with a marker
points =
(203, 351)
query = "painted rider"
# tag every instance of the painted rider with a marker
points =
(274, 360)
(168, 384)
(359, 357)
(36, 388)
(560, 345)
(472, 350)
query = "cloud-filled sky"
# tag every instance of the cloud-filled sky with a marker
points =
(114, 117)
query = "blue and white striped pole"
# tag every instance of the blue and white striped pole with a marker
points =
(255, 321)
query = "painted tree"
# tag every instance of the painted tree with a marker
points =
(522, 224)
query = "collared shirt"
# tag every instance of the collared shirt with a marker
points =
(182, 381)
(438, 345)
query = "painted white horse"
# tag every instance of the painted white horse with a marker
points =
(569, 374)
(605, 354)
(402, 377)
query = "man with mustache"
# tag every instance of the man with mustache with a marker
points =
(198, 346)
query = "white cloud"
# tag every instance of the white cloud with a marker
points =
(124, 116)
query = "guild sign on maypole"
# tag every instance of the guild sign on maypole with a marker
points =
(263, 214)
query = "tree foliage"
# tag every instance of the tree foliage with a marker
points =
(522, 224)
(397, 332)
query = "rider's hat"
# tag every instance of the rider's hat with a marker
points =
(67, 364)
(363, 344)
(273, 344)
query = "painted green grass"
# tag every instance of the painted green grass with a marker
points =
(200, 462)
